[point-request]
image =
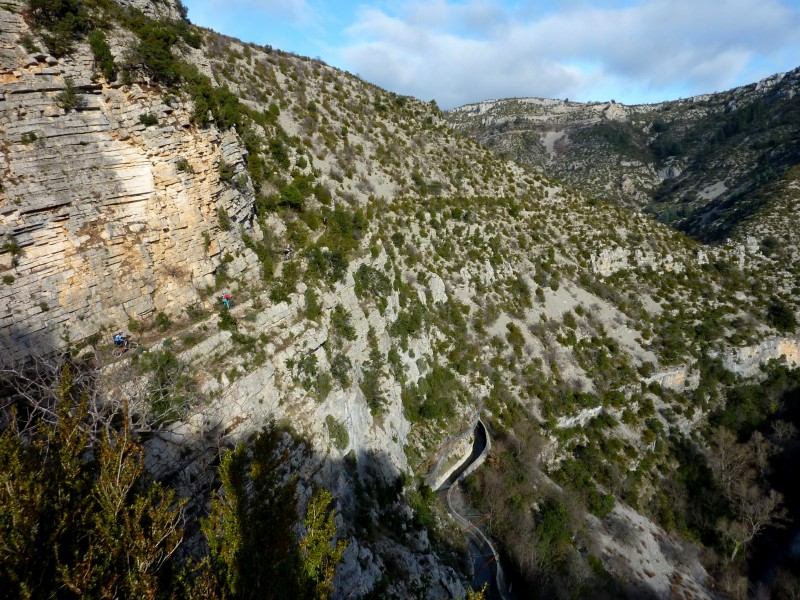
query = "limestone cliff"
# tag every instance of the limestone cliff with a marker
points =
(114, 221)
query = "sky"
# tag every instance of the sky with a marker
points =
(458, 52)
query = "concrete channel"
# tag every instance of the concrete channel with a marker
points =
(485, 559)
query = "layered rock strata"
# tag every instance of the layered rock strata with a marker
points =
(102, 218)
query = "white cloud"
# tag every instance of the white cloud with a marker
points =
(469, 51)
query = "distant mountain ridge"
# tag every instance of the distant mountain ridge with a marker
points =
(688, 161)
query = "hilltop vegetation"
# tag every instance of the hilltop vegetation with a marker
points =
(698, 164)
(392, 279)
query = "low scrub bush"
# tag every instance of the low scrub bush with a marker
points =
(338, 432)
(102, 54)
(372, 283)
(433, 397)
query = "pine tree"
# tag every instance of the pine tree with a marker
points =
(253, 551)
(78, 515)
(318, 556)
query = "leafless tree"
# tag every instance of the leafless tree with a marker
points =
(114, 393)
(755, 510)
(784, 430)
(740, 470)
(786, 585)
(727, 458)
(30, 388)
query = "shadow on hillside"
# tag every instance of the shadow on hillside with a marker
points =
(367, 487)
(18, 343)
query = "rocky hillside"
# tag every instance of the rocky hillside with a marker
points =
(392, 280)
(697, 163)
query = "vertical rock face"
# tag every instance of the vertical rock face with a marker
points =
(155, 9)
(109, 220)
(747, 361)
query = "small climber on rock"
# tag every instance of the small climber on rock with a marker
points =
(120, 340)
(226, 300)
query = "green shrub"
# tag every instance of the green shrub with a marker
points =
(154, 52)
(780, 316)
(28, 43)
(433, 397)
(226, 172)
(102, 54)
(370, 282)
(246, 343)
(340, 369)
(55, 471)
(190, 339)
(279, 153)
(283, 287)
(309, 375)
(64, 20)
(227, 321)
(69, 98)
(325, 264)
(260, 505)
(515, 338)
(323, 194)
(224, 219)
(226, 108)
(408, 322)
(169, 388)
(313, 308)
(371, 384)
(8, 279)
(664, 147)
(264, 250)
(11, 246)
(520, 292)
(341, 329)
(223, 105)
(344, 230)
(338, 432)
(422, 500)
(324, 385)
(148, 119)
(163, 322)
(600, 505)
(396, 364)
(183, 166)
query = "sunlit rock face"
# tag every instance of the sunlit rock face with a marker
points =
(114, 220)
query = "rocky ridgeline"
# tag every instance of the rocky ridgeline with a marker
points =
(554, 112)
(676, 157)
(536, 110)
(113, 220)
